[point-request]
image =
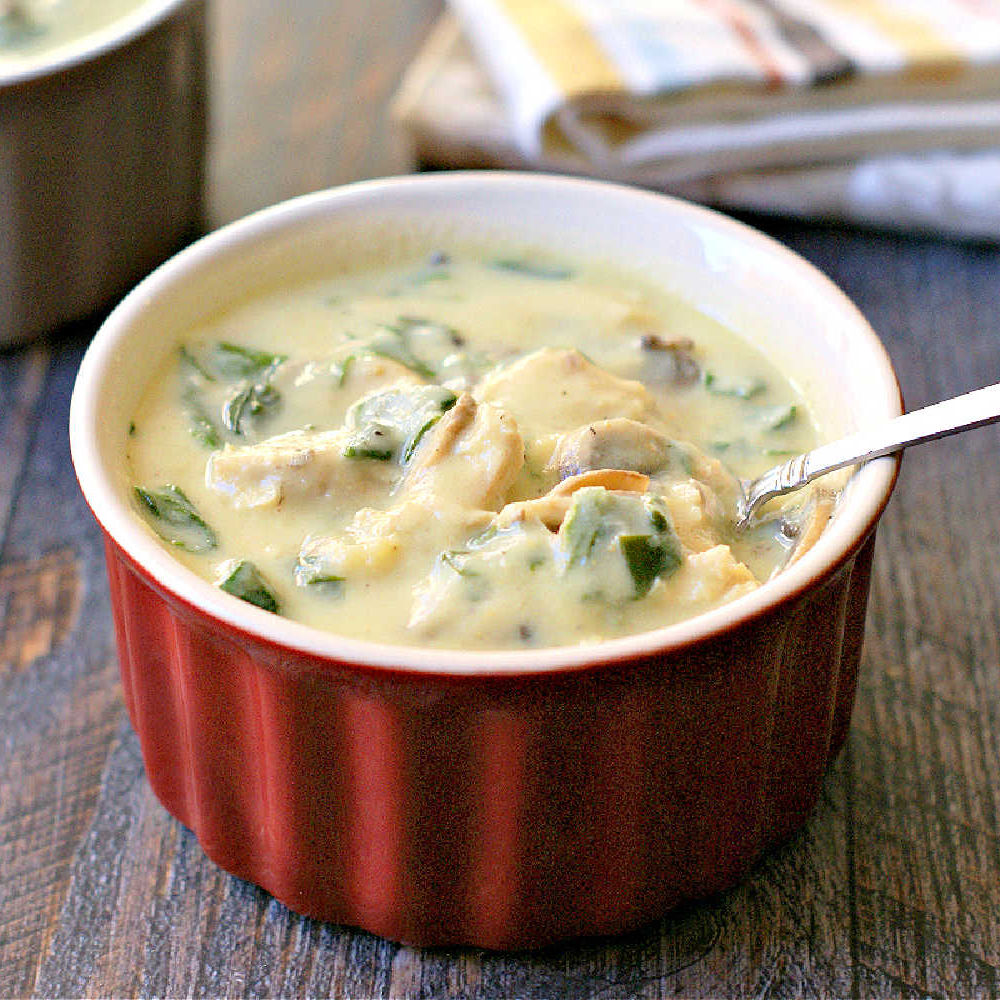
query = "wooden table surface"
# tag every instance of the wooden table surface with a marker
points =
(893, 887)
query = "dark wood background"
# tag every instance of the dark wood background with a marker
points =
(893, 887)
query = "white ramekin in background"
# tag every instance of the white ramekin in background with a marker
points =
(102, 150)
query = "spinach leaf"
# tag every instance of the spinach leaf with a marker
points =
(243, 374)
(390, 424)
(310, 572)
(231, 362)
(190, 362)
(773, 418)
(648, 557)
(433, 350)
(740, 388)
(394, 343)
(250, 400)
(200, 424)
(602, 525)
(175, 519)
(467, 564)
(532, 269)
(341, 369)
(245, 582)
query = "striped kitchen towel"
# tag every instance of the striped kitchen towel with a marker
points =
(761, 104)
(692, 87)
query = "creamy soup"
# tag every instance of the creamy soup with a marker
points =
(30, 29)
(469, 451)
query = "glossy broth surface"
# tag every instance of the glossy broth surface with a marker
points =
(471, 451)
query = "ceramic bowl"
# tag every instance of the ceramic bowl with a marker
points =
(102, 146)
(498, 799)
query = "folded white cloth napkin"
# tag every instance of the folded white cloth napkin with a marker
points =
(882, 112)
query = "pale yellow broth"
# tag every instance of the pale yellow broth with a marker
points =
(32, 29)
(482, 529)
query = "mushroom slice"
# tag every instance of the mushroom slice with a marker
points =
(618, 480)
(617, 443)
(668, 360)
(471, 456)
(551, 509)
(808, 523)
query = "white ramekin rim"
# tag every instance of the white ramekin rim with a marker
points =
(145, 16)
(870, 489)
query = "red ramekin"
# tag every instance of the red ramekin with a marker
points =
(498, 799)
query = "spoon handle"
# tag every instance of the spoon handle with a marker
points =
(973, 409)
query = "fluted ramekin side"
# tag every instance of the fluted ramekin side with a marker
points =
(494, 810)
(853, 642)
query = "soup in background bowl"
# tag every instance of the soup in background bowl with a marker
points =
(30, 29)
(544, 784)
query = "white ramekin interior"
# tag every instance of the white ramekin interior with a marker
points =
(739, 276)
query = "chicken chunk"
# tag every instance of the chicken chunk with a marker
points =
(699, 516)
(716, 576)
(471, 457)
(363, 373)
(292, 466)
(552, 391)
(379, 541)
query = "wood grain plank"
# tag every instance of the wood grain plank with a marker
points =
(886, 890)
(22, 383)
(926, 859)
(60, 703)
(893, 887)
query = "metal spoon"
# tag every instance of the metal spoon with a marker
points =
(974, 409)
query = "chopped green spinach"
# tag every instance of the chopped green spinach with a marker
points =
(733, 385)
(532, 269)
(242, 374)
(388, 425)
(393, 343)
(602, 524)
(231, 362)
(422, 345)
(773, 418)
(200, 424)
(244, 581)
(175, 518)
(648, 557)
(249, 401)
(310, 572)
(190, 362)
(341, 369)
